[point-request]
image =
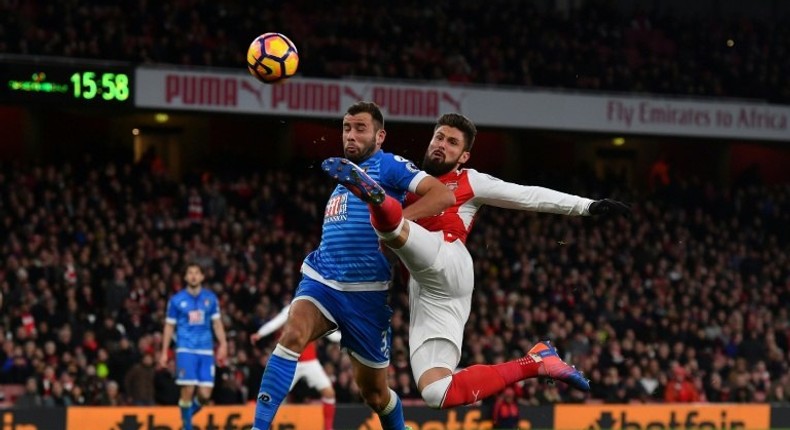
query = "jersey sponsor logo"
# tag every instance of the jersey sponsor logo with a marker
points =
(336, 208)
(196, 317)
(411, 167)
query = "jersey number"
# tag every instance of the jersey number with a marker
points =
(385, 344)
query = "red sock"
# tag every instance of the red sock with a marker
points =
(329, 414)
(387, 216)
(477, 382)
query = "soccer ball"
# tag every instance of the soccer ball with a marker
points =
(272, 57)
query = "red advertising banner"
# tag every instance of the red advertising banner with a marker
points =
(292, 417)
(709, 416)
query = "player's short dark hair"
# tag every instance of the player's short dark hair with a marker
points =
(194, 264)
(367, 107)
(467, 127)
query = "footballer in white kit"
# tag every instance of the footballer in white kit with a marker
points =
(441, 269)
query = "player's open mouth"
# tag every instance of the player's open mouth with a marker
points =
(437, 154)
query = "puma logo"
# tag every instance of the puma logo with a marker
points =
(245, 85)
(349, 91)
(454, 102)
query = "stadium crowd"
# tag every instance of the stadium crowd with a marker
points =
(681, 302)
(593, 47)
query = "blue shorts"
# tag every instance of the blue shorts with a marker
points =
(363, 318)
(194, 369)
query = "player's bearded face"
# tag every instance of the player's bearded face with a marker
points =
(360, 150)
(437, 163)
(359, 137)
(444, 152)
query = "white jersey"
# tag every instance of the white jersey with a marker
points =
(441, 269)
(474, 189)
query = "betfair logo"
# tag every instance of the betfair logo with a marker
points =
(689, 420)
(10, 424)
(133, 422)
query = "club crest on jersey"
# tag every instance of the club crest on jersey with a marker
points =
(196, 317)
(336, 208)
(452, 185)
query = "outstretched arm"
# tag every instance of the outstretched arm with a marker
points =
(496, 192)
(272, 325)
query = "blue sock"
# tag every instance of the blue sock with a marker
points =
(392, 416)
(196, 407)
(275, 384)
(186, 414)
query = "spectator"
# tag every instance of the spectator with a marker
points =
(111, 396)
(58, 396)
(506, 414)
(139, 382)
(680, 389)
(165, 388)
(31, 397)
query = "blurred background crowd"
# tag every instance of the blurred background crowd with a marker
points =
(682, 302)
(597, 46)
(685, 301)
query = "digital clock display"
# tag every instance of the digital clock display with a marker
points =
(67, 84)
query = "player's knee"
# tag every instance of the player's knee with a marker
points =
(295, 338)
(433, 393)
(375, 399)
(328, 393)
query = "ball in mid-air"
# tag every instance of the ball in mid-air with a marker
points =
(272, 57)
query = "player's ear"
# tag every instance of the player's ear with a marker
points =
(465, 156)
(380, 136)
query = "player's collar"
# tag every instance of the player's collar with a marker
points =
(199, 290)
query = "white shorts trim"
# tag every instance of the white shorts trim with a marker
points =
(434, 353)
(368, 363)
(344, 286)
(196, 351)
(193, 382)
(321, 308)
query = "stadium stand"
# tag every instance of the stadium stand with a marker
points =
(94, 248)
(596, 47)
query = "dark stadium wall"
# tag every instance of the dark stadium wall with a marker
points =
(192, 143)
(685, 8)
(12, 124)
(316, 140)
(769, 163)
